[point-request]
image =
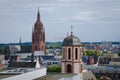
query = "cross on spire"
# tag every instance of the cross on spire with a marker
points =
(71, 30)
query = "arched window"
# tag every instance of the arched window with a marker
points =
(69, 68)
(76, 53)
(63, 53)
(69, 53)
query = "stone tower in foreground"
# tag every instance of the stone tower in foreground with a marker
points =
(72, 57)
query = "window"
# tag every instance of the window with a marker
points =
(76, 53)
(69, 53)
(63, 53)
(35, 47)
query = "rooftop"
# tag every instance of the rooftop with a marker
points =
(71, 40)
(54, 76)
(5, 73)
(22, 64)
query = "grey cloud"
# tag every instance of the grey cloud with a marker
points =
(20, 15)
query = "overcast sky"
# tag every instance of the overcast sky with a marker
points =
(93, 20)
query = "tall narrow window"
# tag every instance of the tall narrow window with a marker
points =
(35, 47)
(76, 53)
(42, 48)
(69, 53)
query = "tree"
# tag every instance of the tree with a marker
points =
(1, 50)
(91, 53)
(54, 68)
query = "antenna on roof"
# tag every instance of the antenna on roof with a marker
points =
(71, 30)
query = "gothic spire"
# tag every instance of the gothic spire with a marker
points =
(38, 21)
(38, 35)
(38, 15)
(20, 41)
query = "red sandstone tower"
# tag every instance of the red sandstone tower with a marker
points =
(38, 36)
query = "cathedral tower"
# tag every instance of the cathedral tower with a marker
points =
(38, 36)
(72, 57)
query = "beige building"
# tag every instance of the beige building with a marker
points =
(72, 57)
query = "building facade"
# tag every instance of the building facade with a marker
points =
(72, 57)
(38, 36)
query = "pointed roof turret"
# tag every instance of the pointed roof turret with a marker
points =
(38, 21)
(71, 40)
(20, 41)
(38, 15)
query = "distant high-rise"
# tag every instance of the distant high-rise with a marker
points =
(38, 36)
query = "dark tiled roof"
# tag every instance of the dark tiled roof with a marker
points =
(71, 40)
(116, 59)
(13, 58)
(104, 60)
(22, 65)
(48, 57)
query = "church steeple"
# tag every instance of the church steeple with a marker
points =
(38, 21)
(38, 35)
(38, 15)
(20, 41)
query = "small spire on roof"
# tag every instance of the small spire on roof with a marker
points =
(71, 30)
(38, 14)
(20, 41)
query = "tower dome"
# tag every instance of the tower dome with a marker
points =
(71, 40)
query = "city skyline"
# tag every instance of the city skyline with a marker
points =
(93, 20)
